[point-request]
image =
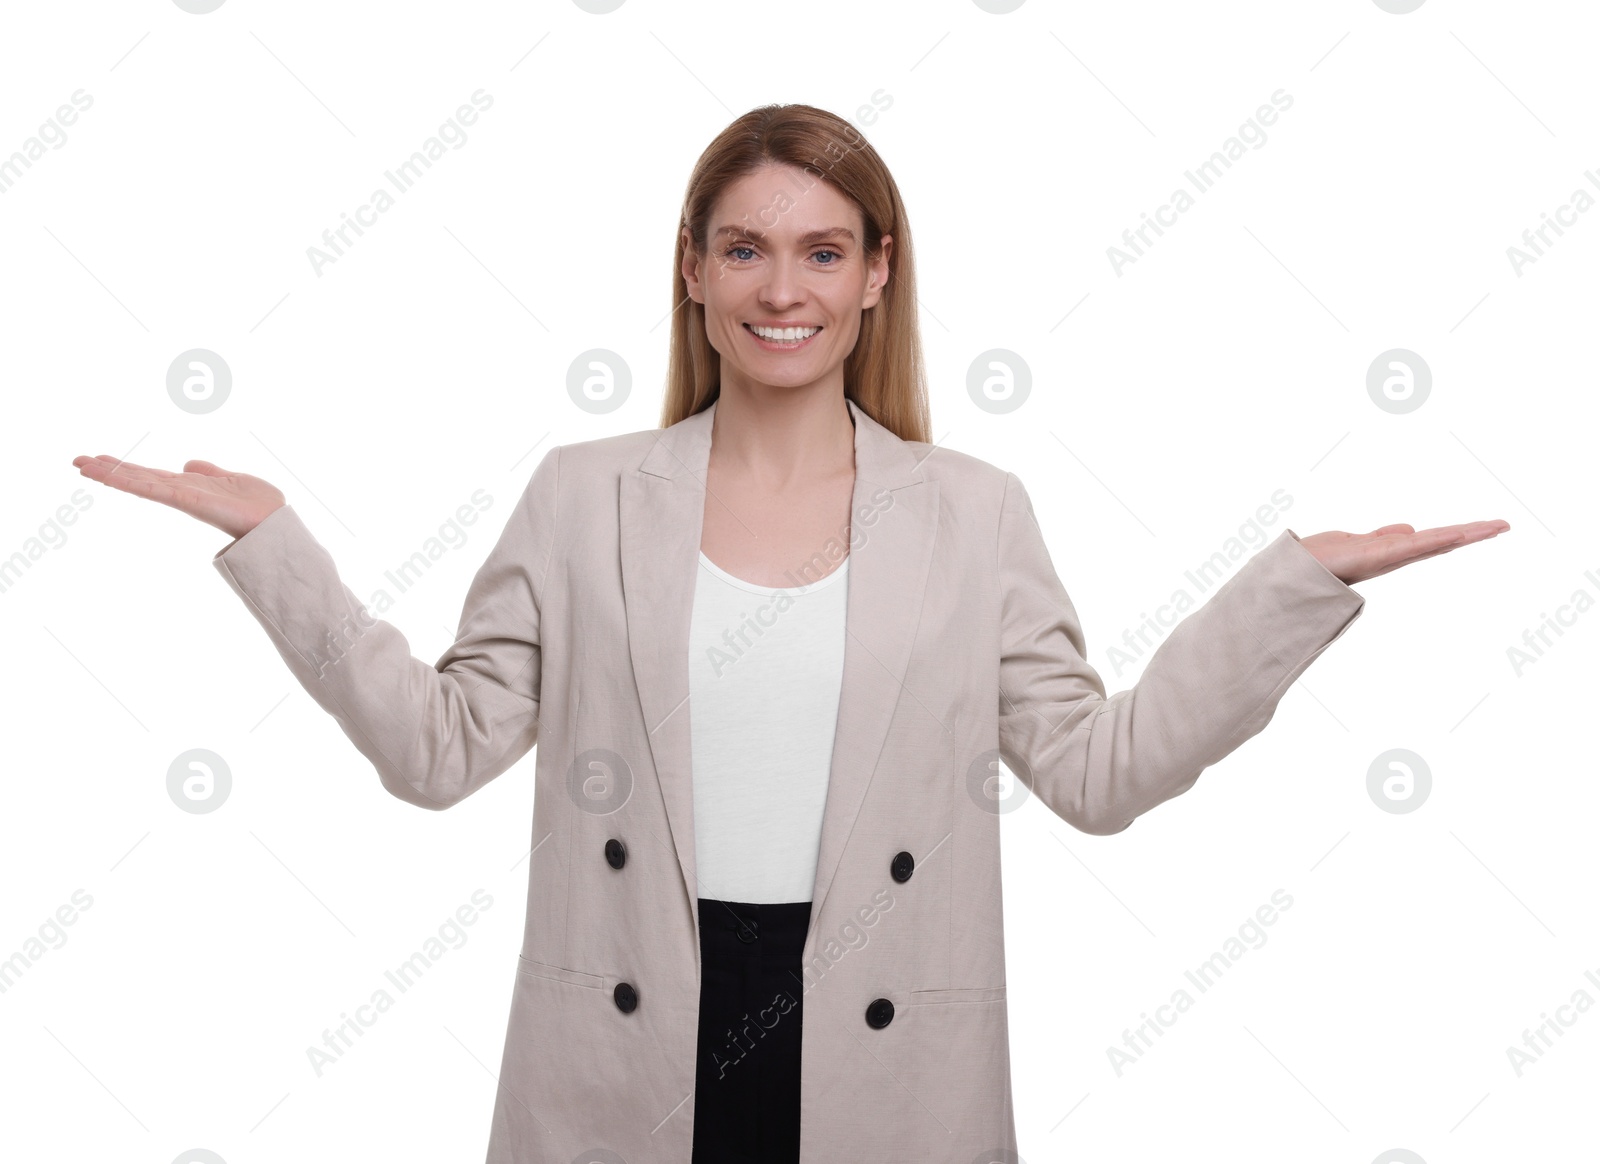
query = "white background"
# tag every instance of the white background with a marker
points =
(1169, 402)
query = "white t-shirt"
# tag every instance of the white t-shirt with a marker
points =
(765, 668)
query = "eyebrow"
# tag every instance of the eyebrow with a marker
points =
(806, 239)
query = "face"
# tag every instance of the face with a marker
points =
(784, 250)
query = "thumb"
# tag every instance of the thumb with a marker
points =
(205, 467)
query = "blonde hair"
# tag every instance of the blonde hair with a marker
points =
(884, 373)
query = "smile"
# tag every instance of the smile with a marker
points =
(787, 339)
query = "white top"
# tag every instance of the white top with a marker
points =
(765, 668)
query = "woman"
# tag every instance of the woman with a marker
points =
(862, 625)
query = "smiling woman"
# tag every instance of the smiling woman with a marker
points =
(791, 240)
(722, 856)
(794, 266)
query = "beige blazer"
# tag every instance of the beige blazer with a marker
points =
(962, 646)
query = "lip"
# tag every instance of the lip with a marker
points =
(769, 346)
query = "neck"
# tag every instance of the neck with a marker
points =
(776, 439)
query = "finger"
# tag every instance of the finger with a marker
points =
(1471, 531)
(133, 483)
(205, 467)
(99, 459)
(153, 471)
(102, 466)
(97, 468)
(1433, 553)
(154, 489)
(117, 464)
(110, 471)
(1391, 529)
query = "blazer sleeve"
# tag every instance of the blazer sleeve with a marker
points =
(1211, 684)
(437, 733)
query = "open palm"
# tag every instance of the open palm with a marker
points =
(233, 502)
(1356, 557)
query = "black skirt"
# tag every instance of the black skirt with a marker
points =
(747, 1073)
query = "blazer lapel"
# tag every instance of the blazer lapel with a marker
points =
(894, 516)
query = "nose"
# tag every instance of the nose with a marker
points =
(781, 289)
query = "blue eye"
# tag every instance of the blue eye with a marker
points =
(729, 253)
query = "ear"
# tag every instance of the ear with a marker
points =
(878, 274)
(691, 269)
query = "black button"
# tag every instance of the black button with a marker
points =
(616, 855)
(880, 1012)
(625, 996)
(746, 929)
(900, 868)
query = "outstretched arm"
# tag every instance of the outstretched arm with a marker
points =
(435, 733)
(1215, 681)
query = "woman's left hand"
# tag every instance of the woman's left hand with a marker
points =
(1355, 557)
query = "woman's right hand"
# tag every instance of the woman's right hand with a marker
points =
(233, 502)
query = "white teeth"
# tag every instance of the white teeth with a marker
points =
(785, 334)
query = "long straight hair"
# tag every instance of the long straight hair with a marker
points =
(884, 373)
